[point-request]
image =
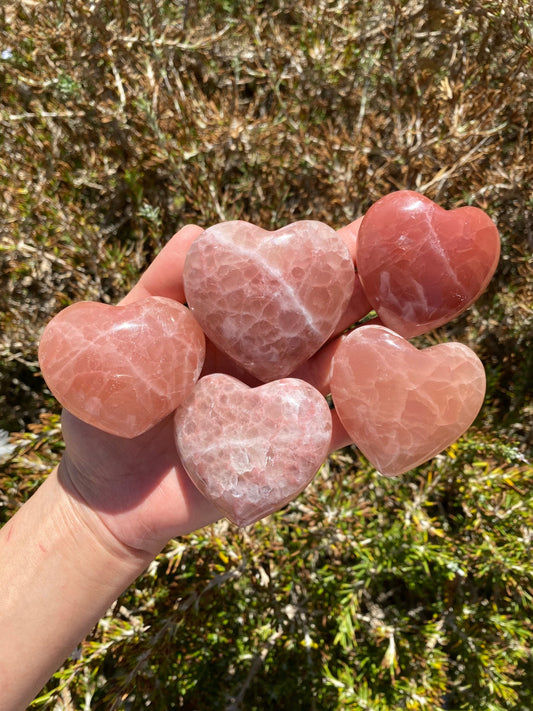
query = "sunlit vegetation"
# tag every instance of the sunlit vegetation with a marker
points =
(122, 121)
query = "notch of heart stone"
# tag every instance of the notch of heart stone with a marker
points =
(269, 300)
(252, 450)
(401, 405)
(122, 369)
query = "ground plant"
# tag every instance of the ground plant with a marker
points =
(122, 121)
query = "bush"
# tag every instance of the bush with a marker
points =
(366, 593)
(121, 121)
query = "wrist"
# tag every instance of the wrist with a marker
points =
(60, 572)
(86, 519)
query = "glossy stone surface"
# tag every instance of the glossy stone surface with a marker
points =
(269, 300)
(401, 405)
(122, 368)
(252, 450)
(421, 265)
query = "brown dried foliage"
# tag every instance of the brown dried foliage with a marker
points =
(122, 121)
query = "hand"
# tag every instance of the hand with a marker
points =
(112, 504)
(137, 487)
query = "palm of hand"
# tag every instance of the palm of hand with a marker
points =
(137, 487)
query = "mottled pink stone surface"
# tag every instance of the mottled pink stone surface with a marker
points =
(401, 405)
(421, 265)
(122, 368)
(251, 450)
(268, 299)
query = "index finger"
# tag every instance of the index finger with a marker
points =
(164, 276)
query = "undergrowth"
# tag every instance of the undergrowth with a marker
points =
(122, 121)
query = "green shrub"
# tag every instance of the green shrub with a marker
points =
(122, 121)
(365, 593)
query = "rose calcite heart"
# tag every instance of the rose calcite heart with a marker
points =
(122, 368)
(269, 300)
(252, 450)
(421, 265)
(400, 405)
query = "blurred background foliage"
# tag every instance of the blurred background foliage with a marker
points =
(123, 120)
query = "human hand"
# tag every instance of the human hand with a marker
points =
(113, 503)
(422, 271)
(137, 487)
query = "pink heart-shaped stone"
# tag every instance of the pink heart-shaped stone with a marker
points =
(400, 405)
(122, 368)
(251, 450)
(421, 265)
(269, 300)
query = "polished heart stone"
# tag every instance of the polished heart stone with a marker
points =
(122, 368)
(421, 265)
(269, 300)
(252, 450)
(400, 405)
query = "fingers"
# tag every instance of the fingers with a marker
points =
(358, 306)
(317, 370)
(349, 235)
(339, 437)
(164, 276)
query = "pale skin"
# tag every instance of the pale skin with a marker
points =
(105, 512)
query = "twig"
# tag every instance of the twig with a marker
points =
(179, 45)
(256, 665)
(118, 79)
(43, 114)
